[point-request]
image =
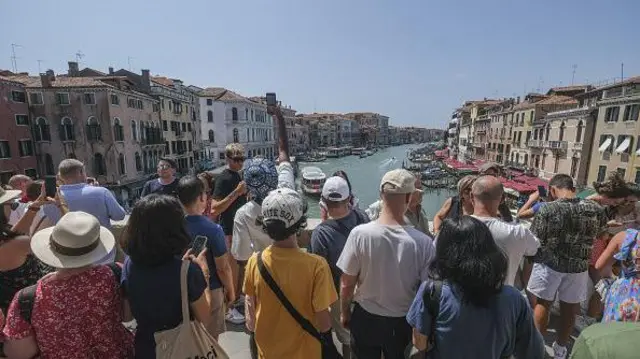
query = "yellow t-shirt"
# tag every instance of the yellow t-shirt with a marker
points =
(305, 279)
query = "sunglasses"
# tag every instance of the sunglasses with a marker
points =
(238, 159)
(164, 167)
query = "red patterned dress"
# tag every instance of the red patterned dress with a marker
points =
(75, 317)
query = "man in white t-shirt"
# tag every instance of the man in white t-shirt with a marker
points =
(383, 262)
(515, 240)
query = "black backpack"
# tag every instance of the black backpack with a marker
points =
(27, 295)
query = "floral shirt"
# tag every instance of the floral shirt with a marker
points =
(76, 317)
(622, 303)
(566, 229)
(12, 281)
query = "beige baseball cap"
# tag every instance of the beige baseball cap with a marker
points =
(401, 181)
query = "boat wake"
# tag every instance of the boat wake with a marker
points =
(386, 164)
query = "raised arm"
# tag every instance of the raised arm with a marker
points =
(441, 215)
(281, 126)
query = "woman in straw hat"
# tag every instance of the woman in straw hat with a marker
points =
(18, 267)
(77, 311)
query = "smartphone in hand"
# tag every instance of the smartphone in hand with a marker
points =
(543, 191)
(50, 186)
(198, 244)
(271, 99)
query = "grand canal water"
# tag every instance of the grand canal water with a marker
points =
(365, 175)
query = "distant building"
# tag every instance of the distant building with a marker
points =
(229, 117)
(17, 152)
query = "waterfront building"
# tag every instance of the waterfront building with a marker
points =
(17, 152)
(497, 138)
(617, 133)
(99, 119)
(370, 122)
(478, 124)
(228, 117)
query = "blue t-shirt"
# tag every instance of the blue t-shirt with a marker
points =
(155, 299)
(216, 246)
(502, 329)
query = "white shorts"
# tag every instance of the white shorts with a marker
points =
(545, 283)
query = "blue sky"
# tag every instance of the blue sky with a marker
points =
(414, 61)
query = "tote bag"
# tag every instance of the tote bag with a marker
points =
(190, 339)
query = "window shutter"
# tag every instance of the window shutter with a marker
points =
(89, 134)
(61, 132)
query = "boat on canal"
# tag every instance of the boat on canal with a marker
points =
(358, 151)
(312, 180)
(314, 157)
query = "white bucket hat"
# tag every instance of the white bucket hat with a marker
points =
(77, 240)
(8, 194)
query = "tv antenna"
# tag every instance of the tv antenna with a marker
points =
(79, 57)
(573, 73)
(129, 58)
(14, 58)
(39, 66)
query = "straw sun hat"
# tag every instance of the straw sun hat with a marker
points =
(77, 240)
(8, 194)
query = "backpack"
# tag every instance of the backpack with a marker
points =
(27, 295)
(341, 228)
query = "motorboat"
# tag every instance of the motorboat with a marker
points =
(312, 180)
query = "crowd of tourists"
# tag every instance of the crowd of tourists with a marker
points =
(199, 252)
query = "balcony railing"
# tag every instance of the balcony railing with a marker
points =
(606, 156)
(535, 143)
(576, 146)
(556, 145)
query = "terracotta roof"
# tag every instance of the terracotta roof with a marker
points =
(630, 80)
(557, 100)
(222, 94)
(165, 81)
(60, 81)
(10, 79)
(568, 88)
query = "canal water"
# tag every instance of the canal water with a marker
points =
(365, 175)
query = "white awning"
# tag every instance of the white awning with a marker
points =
(638, 152)
(605, 145)
(455, 120)
(624, 145)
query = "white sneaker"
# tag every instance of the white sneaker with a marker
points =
(583, 321)
(559, 352)
(234, 316)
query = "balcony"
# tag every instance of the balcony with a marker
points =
(481, 131)
(556, 145)
(576, 146)
(535, 143)
(606, 156)
(151, 141)
(478, 144)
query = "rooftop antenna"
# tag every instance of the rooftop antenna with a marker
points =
(573, 73)
(621, 71)
(79, 57)
(40, 67)
(14, 58)
(129, 58)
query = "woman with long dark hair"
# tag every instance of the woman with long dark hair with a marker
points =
(156, 240)
(473, 305)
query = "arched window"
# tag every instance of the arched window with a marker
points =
(547, 129)
(134, 130)
(143, 131)
(66, 130)
(94, 132)
(246, 114)
(234, 114)
(99, 167)
(235, 135)
(121, 164)
(118, 130)
(138, 162)
(579, 132)
(211, 136)
(561, 135)
(48, 165)
(247, 135)
(41, 130)
(209, 116)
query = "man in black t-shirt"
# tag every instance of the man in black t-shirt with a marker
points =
(229, 194)
(166, 183)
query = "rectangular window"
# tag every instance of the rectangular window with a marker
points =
(62, 98)
(637, 180)
(209, 102)
(22, 120)
(611, 114)
(602, 173)
(189, 127)
(5, 150)
(139, 105)
(221, 156)
(31, 172)
(131, 102)
(36, 98)
(89, 99)
(115, 100)
(622, 172)
(164, 125)
(25, 147)
(190, 146)
(184, 127)
(18, 96)
(156, 107)
(631, 113)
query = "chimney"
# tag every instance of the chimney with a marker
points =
(46, 78)
(146, 81)
(73, 69)
(110, 70)
(518, 99)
